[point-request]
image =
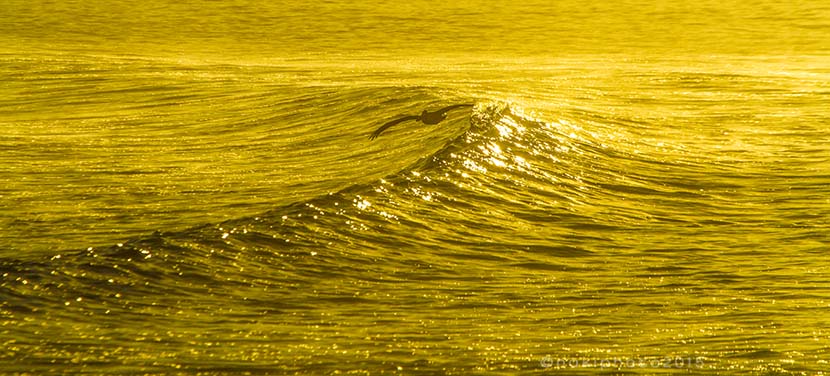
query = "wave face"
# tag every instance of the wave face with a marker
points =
(168, 216)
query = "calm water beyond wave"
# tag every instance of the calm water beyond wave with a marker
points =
(189, 188)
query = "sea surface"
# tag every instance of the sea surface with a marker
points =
(639, 187)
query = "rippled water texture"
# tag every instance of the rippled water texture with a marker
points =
(190, 188)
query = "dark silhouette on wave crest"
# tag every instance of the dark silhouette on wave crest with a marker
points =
(426, 117)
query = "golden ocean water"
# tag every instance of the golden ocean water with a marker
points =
(638, 187)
